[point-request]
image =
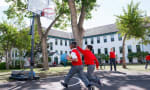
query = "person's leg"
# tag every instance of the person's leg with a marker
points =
(110, 64)
(90, 76)
(114, 63)
(70, 74)
(146, 64)
(82, 76)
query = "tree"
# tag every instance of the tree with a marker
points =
(131, 25)
(7, 40)
(23, 43)
(80, 10)
(17, 10)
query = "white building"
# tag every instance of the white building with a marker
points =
(102, 38)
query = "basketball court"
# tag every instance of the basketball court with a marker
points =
(112, 81)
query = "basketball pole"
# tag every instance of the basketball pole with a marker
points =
(32, 47)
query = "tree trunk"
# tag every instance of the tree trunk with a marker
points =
(44, 53)
(123, 49)
(7, 64)
(77, 28)
(43, 37)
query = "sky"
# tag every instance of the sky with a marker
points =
(104, 15)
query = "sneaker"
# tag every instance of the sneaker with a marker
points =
(64, 84)
(100, 83)
(90, 87)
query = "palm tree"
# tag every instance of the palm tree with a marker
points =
(131, 25)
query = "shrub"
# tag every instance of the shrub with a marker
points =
(17, 64)
(39, 65)
(2, 65)
(49, 59)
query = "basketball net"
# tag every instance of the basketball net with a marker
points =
(48, 13)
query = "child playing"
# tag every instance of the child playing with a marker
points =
(77, 67)
(90, 60)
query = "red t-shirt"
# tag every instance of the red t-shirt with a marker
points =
(79, 62)
(89, 57)
(112, 55)
(148, 58)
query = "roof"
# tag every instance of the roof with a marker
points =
(89, 32)
(62, 34)
(101, 30)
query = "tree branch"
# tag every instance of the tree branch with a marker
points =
(50, 26)
(82, 15)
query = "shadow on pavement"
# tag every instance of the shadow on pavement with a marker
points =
(111, 80)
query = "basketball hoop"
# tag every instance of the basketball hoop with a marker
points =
(45, 8)
(48, 12)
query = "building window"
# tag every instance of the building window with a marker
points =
(61, 52)
(65, 52)
(119, 37)
(106, 50)
(120, 49)
(114, 49)
(129, 48)
(93, 50)
(51, 46)
(112, 38)
(61, 42)
(138, 48)
(92, 40)
(121, 58)
(56, 42)
(56, 51)
(85, 41)
(99, 51)
(98, 39)
(105, 39)
(65, 42)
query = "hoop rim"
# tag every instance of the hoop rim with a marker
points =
(51, 13)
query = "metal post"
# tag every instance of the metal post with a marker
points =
(32, 47)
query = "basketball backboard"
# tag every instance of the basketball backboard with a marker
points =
(45, 8)
(37, 6)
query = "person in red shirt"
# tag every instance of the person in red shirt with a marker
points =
(90, 60)
(76, 68)
(112, 57)
(147, 60)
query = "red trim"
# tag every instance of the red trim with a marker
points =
(43, 12)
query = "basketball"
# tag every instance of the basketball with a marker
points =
(64, 58)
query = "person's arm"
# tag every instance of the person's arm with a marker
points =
(81, 50)
(97, 63)
(146, 58)
(73, 57)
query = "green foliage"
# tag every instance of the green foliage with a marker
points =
(17, 10)
(17, 64)
(49, 59)
(132, 22)
(138, 55)
(2, 65)
(103, 56)
(8, 35)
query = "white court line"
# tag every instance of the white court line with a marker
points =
(79, 81)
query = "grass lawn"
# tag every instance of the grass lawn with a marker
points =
(54, 71)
